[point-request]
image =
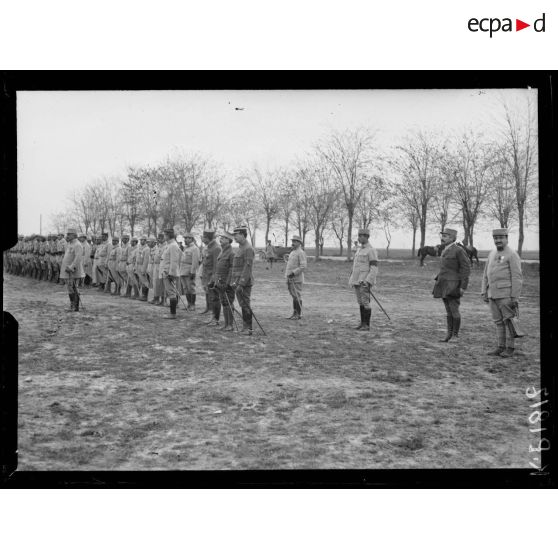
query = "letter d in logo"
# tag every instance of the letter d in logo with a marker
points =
(539, 24)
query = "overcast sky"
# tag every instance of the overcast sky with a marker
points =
(66, 139)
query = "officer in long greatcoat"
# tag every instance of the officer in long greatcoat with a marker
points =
(363, 277)
(170, 270)
(502, 281)
(211, 253)
(452, 280)
(242, 277)
(223, 280)
(188, 268)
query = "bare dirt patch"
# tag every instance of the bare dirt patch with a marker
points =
(118, 387)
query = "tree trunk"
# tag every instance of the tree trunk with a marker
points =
(340, 248)
(349, 236)
(317, 257)
(521, 235)
(422, 232)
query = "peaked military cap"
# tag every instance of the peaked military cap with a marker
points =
(297, 238)
(115, 238)
(125, 235)
(500, 232)
(135, 239)
(82, 235)
(143, 237)
(451, 232)
(364, 231)
(71, 230)
(151, 239)
(188, 234)
(169, 230)
(228, 235)
(241, 229)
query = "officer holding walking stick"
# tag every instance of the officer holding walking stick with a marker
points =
(72, 268)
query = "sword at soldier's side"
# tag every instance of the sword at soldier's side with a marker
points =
(378, 303)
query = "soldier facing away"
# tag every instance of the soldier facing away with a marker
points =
(501, 288)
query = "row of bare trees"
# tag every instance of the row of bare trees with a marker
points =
(346, 181)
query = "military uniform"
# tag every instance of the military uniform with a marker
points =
(72, 268)
(113, 258)
(211, 254)
(294, 274)
(170, 270)
(501, 285)
(223, 281)
(123, 264)
(363, 277)
(142, 262)
(455, 268)
(188, 267)
(130, 270)
(242, 277)
(102, 261)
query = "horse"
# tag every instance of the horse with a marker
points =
(472, 253)
(434, 251)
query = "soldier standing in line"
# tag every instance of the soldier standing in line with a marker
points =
(294, 273)
(43, 274)
(72, 268)
(242, 277)
(502, 281)
(157, 281)
(86, 259)
(452, 281)
(95, 251)
(142, 262)
(151, 242)
(122, 264)
(132, 288)
(212, 251)
(223, 275)
(160, 285)
(269, 255)
(363, 276)
(170, 270)
(102, 268)
(61, 249)
(113, 257)
(188, 268)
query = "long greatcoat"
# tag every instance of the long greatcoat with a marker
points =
(455, 268)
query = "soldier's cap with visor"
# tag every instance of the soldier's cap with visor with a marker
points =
(451, 232)
(151, 239)
(210, 233)
(500, 232)
(82, 235)
(296, 238)
(104, 235)
(365, 232)
(169, 231)
(134, 239)
(143, 237)
(226, 234)
(242, 229)
(188, 234)
(71, 230)
(115, 238)
(125, 235)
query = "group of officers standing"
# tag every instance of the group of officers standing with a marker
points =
(135, 266)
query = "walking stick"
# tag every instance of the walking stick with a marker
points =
(296, 294)
(178, 295)
(378, 303)
(76, 291)
(233, 309)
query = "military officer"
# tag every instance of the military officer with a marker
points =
(211, 253)
(363, 277)
(223, 280)
(501, 285)
(142, 262)
(123, 264)
(72, 267)
(95, 252)
(170, 270)
(159, 291)
(130, 266)
(452, 280)
(294, 273)
(188, 267)
(102, 267)
(86, 258)
(113, 257)
(242, 277)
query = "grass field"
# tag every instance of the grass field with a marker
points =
(116, 387)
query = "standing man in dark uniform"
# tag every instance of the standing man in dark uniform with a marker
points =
(211, 254)
(294, 273)
(242, 277)
(223, 279)
(452, 280)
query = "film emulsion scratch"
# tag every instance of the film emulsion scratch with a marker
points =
(277, 280)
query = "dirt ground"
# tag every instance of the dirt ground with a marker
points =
(116, 387)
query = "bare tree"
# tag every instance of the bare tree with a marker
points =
(502, 202)
(286, 201)
(339, 223)
(263, 187)
(349, 155)
(320, 196)
(417, 167)
(520, 154)
(470, 164)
